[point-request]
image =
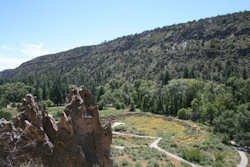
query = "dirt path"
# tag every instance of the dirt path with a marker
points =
(154, 144)
(244, 160)
(243, 156)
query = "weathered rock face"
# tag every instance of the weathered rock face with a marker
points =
(78, 140)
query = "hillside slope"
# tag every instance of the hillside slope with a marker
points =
(212, 48)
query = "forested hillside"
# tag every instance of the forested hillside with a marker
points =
(210, 49)
(198, 71)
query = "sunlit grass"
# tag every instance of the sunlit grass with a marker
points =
(131, 142)
(177, 138)
(55, 111)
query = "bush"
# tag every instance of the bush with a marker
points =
(184, 113)
(5, 115)
(153, 164)
(138, 164)
(218, 164)
(121, 128)
(192, 155)
(132, 107)
(118, 105)
(122, 105)
(226, 139)
(124, 162)
(13, 105)
(219, 157)
(47, 103)
(101, 105)
(185, 164)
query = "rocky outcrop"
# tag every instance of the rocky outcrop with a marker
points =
(77, 140)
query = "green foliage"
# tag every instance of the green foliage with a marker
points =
(218, 164)
(184, 113)
(196, 109)
(153, 164)
(58, 91)
(132, 107)
(138, 164)
(225, 123)
(219, 157)
(5, 115)
(243, 124)
(13, 92)
(47, 103)
(101, 105)
(226, 138)
(206, 102)
(209, 112)
(240, 89)
(165, 78)
(118, 105)
(124, 162)
(192, 155)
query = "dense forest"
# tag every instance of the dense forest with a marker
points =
(195, 71)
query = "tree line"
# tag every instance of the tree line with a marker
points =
(225, 106)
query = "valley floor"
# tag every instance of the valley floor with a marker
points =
(160, 141)
(165, 134)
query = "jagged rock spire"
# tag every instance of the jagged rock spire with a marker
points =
(77, 140)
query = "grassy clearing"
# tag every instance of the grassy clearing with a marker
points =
(56, 111)
(142, 157)
(195, 144)
(130, 142)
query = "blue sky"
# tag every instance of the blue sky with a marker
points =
(31, 28)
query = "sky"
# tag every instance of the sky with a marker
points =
(31, 28)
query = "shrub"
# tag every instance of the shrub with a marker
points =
(132, 107)
(124, 162)
(185, 164)
(192, 155)
(101, 105)
(5, 115)
(218, 164)
(47, 103)
(118, 105)
(122, 105)
(13, 105)
(184, 113)
(138, 164)
(120, 128)
(153, 164)
(219, 157)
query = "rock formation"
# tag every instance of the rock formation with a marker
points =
(77, 140)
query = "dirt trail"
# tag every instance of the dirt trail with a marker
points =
(244, 160)
(154, 144)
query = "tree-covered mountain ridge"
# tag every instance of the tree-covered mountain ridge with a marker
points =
(211, 49)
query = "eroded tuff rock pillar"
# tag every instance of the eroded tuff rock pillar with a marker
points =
(77, 140)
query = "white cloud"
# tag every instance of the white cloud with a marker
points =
(34, 50)
(6, 62)
(11, 58)
(5, 47)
